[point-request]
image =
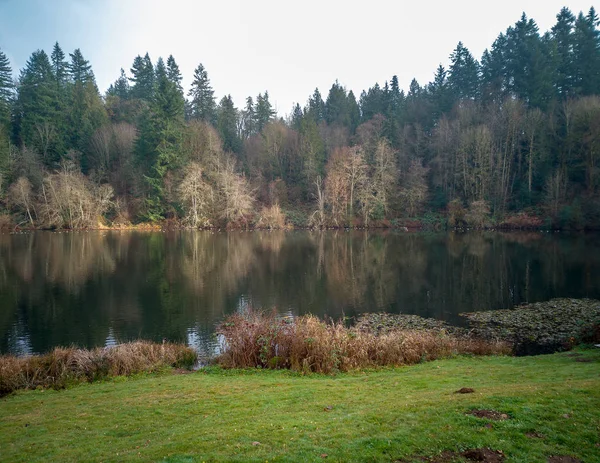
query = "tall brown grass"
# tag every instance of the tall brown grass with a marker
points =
(308, 344)
(63, 366)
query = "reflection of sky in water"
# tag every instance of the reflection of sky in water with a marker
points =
(18, 340)
(98, 289)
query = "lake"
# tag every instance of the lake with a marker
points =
(100, 288)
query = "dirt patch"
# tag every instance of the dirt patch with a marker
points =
(465, 390)
(584, 360)
(535, 435)
(483, 455)
(563, 459)
(489, 414)
(574, 354)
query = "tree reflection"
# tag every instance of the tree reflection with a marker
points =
(92, 288)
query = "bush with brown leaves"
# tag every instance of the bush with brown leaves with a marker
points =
(308, 344)
(62, 366)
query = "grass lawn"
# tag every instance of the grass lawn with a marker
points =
(382, 415)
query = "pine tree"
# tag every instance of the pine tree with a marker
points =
(248, 119)
(395, 97)
(142, 71)
(86, 111)
(6, 100)
(159, 144)
(36, 106)
(371, 102)
(353, 112)
(296, 117)
(336, 106)
(587, 54)
(79, 68)
(6, 90)
(440, 92)
(528, 71)
(562, 37)
(120, 87)
(227, 125)
(173, 73)
(463, 75)
(202, 103)
(60, 67)
(264, 111)
(494, 85)
(316, 107)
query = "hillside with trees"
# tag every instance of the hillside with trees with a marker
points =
(511, 139)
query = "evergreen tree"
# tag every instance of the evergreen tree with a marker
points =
(227, 125)
(396, 97)
(440, 92)
(6, 99)
(86, 111)
(60, 67)
(528, 71)
(202, 103)
(37, 113)
(159, 144)
(463, 76)
(173, 73)
(296, 117)
(372, 102)
(79, 68)
(336, 106)
(586, 49)
(562, 36)
(121, 87)
(316, 107)
(264, 111)
(6, 90)
(248, 119)
(493, 72)
(142, 71)
(353, 112)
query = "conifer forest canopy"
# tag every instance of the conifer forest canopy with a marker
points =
(515, 133)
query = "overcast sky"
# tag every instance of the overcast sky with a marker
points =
(285, 47)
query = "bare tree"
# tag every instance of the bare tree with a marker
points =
(413, 193)
(236, 196)
(197, 196)
(20, 194)
(71, 200)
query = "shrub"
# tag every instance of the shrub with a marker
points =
(65, 365)
(308, 344)
(456, 214)
(272, 218)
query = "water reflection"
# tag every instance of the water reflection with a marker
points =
(100, 288)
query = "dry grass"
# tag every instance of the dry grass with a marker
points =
(69, 365)
(309, 344)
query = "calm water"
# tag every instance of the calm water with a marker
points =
(100, 288)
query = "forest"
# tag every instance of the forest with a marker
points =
(509, 140)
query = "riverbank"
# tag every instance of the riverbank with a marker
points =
(300, 220)
(546, 404)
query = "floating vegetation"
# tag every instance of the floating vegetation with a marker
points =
(541, 327)
(382, 323)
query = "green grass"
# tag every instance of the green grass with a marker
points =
(382, 415)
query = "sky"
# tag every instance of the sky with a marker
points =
(288, 47)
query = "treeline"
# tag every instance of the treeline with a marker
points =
(512, 139)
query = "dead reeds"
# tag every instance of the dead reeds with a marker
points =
(308, 344)
(63, 366)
